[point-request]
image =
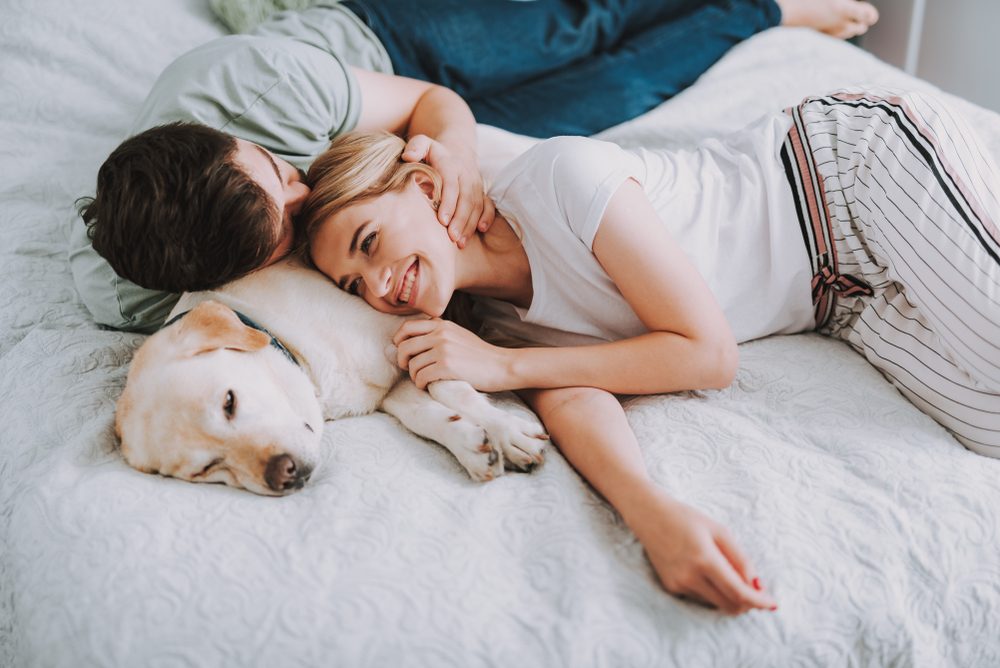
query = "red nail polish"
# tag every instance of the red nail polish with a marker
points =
(756, 584)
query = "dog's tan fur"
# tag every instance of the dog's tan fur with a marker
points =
(172, 419)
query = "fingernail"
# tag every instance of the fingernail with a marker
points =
(461, 242)
(773, 609)
(756, 584)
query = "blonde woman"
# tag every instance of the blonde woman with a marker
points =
(870, 217)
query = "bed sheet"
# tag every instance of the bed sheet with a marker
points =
(876, 530)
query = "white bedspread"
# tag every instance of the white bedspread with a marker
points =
(871, 525)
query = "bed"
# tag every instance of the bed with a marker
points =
(876, 531)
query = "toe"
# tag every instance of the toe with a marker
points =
(849, 29)
(855, 28)
(845, 32)
(864, 14)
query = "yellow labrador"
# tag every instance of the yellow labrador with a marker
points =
(236, 387)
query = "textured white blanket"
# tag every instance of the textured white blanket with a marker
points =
(870, 524)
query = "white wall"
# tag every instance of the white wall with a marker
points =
(954, 44)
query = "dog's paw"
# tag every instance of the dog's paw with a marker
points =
(472, 447)
(521, 441)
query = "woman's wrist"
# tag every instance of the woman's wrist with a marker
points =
(643, 503)
(514, 366)
(532, 367)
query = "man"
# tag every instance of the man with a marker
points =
(205, 189)
(192, 206)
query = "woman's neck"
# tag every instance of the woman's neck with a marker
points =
(494, 264)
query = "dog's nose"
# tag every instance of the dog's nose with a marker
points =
(283, 473)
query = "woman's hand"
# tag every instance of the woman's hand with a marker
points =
(437, 349)
(464, 206)
(695, 557)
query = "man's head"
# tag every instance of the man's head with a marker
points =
(184, 207)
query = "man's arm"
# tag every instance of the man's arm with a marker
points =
(441, 131)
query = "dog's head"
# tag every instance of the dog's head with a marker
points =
(208, 399)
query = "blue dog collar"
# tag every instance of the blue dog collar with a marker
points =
(249, 323)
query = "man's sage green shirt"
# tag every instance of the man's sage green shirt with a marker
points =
(287, 86)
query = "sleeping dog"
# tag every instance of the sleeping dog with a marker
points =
(216, 397)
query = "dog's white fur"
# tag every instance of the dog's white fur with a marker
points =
(173, 419)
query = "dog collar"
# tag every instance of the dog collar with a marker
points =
(249, 322)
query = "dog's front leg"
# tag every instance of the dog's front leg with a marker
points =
(521, 440)
(465, 439)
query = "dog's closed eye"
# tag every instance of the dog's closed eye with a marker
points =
(229, 405)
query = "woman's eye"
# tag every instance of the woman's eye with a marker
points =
(353, 286)
(229, 405)
(366, 243)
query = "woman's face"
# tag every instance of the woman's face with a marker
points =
(391, 250)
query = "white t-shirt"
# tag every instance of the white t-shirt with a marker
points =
(727, 203)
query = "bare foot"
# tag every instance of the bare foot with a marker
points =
(841, 18)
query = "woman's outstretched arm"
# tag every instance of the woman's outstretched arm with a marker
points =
(692, 555)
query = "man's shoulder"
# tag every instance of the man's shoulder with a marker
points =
(221, 79)
(279, 92)
(333, 28)
(295, 67)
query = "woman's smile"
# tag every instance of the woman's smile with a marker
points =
(391, 251)
(408, 286)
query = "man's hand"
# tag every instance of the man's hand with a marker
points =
(422, 110)
(436, 349)
(464, 206)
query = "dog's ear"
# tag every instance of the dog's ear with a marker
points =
(211, 325)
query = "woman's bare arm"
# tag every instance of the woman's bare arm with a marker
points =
(692, 555)
(689, 345)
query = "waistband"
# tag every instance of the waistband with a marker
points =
(816, 223)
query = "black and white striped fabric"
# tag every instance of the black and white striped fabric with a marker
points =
(900, 209)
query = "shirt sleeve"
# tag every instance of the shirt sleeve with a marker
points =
(577, 177)
(284, 94)
(333, 28)
(112, 300)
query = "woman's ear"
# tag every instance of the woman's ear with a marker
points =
(428, 186)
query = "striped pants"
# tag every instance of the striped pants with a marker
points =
(899, 208)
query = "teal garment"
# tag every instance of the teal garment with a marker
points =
(286, 87)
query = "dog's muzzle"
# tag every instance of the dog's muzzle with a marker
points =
(283, 473)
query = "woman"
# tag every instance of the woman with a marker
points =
(868, 217)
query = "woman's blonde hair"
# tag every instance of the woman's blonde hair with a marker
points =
(357, 165)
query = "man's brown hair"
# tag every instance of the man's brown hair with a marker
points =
(173, 211)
